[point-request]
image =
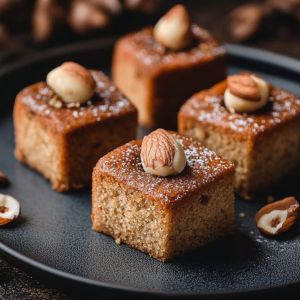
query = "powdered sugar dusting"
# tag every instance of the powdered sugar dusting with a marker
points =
(282, 106)
(143, 45)
(203, 167)
(107, 102)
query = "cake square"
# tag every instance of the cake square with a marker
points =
(264, 145)
(163, 216)
(65, 142)
(158, 80)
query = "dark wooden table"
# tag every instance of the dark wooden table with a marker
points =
(16, 284)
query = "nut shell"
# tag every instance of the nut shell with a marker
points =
(289, 206)
(9, 209)
(157, 149)
(246, 93)
(161, 154)
(243, 86)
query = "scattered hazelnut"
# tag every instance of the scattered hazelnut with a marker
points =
(3, 179)
(173, 30)
(71, 82)
(278, 216)
(84, 16)
(246, 93)
(161, 154)
(9, 209)
(245, 20)
(47, 16)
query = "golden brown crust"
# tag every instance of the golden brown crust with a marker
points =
(141, 64)
(64, 143)
(108, 103)
(144, 222)
(203, 167)
(28, 127)
(207, 108)
(155, 58)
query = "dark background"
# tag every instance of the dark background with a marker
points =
(272, 25)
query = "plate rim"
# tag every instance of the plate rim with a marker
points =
(288, 65)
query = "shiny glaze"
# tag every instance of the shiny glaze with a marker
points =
(108, 103)
(207, 107)
(203, 167)
(153, 55)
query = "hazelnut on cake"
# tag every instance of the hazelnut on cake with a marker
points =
(159, 68)
(251, 122)
(164, 196)
(64, 125)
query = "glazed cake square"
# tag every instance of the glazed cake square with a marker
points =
(64, 143)
(158, 80)
(163, 216)
(264, 146)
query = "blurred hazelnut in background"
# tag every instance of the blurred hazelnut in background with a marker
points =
(263, 19)
(28, 25)
(43, 21)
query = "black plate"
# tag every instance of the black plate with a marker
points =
(54, 237)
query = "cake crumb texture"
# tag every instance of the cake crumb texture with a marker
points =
(164, 217)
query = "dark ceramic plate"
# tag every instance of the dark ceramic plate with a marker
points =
(53, 238)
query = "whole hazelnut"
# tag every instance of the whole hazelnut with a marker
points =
(162, 154)
(9, 209)
(173, 30)
(71, 82)
(246, 93)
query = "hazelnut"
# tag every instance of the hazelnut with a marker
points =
(246, 93)
(245, 21)
(48, 16)
(277, 217)
(173, 30)
(84, 16)
(161, 154)
(9, 209)
(71, 82)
